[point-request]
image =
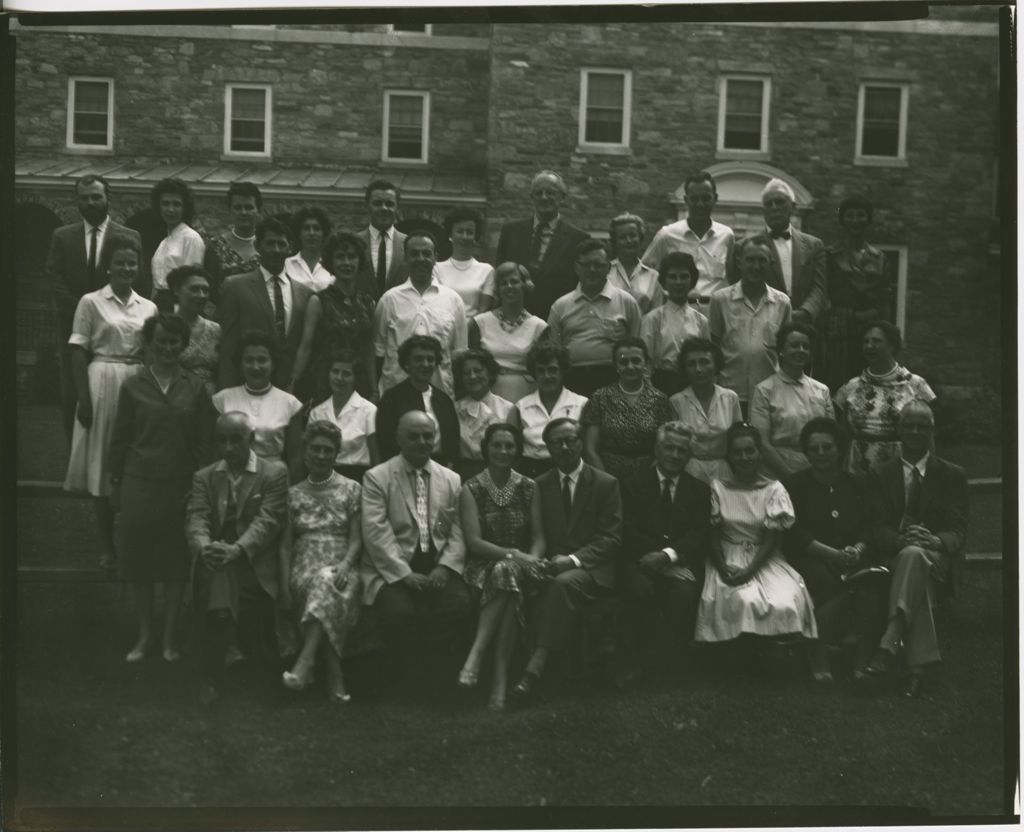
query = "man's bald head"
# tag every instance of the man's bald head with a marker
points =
(416, 434)
(234, 438)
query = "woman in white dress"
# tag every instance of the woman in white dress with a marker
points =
(106, 349)
(471, 279)
(310, 228)
(477, 406)
(750, 589)
(509, 332)
(172, 200)
(706, 408)
(353, 415)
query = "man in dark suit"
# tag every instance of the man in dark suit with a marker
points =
(235, 514)
(385, 244)
(266, 300)
(798, 259)
(545, 243)
(667, 538)
(582, 521)
(72, 269)
(920, 510)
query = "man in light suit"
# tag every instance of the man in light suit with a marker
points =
(235, 514)
(798, 259)
(266, 300)
(919, 508)
(412, 539)
(545, 243)
(582, 520)
(72, 269)
(382, 238)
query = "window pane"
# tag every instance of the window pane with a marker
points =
(90, 116)
(744, 97)
(882, 103)
(248, 104)
(605, 90)
(248, 120)
(880, 140)
(744, 102)
(90, 97)
(405, 127)
(605, 103)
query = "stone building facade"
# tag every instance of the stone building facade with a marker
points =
(904, 112)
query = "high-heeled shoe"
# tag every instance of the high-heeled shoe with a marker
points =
(136, 655)
(468, 678)
(171, 655)
(294, 682)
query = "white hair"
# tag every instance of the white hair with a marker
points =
(549, 174)
(776, 185)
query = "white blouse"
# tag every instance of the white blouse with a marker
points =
(470, 279)
(182, 247)
(534, 417)
(474, 417)
(270, 413)
(317, 280)
(357, 422)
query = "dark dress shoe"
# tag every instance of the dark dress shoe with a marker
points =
(525, 689)
(879, 666)
(914, 689)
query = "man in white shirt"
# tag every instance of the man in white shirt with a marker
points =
(384, 243)
(419, 306)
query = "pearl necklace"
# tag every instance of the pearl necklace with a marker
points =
(238, 236)
(324, 481)
(456, 264)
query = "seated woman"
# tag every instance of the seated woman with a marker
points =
(234, 250)
(475, 371)
(750, 589)
(419, 356)
(828, 542)
(172, 200)
(310, 227)
(275, 415)
(472, 280)
(509, 332)
(784, 402)
(665, 327)
(501, 524)
(706, 408)
(869, 405)
(620, 421)
(548, 363)
(190, 286)
(353, 415)
(320, 560)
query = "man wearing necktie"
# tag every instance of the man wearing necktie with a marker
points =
(414, 550)
(667, 541)
(266, 300)
(71, 267)
(582, 520)
(385, 244)
(920, 510)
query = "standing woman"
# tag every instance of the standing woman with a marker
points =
(706, 408)
(859, 291)
(472, 280)
(234, 250)
(353, 415)
(190, 286)
(310, 228)
(786, 401)
(161, 437)
(477, 406)
(106, 350)
(172, 200)
(509, 332)
(626, 235)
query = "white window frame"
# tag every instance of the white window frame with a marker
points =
(901, 284)
(627, 110)
(268, 108)
(428, 29)
(70, 134)
(766, 103)
(425, 145)
(900, 159)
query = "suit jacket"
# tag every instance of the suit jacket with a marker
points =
(367, 279)
(402, 398)
(554, 275)
(390, 531)
(593, 531)
(67, 268)
(245, 304)
(689, 526)
(809, 292)
(943, 509)
(262, 511)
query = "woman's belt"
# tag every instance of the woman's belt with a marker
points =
(117, 359)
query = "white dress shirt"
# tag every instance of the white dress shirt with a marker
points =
(286, 294)
(710, 252)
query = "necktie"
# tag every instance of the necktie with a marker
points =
(421, 510)
(780, 235)
(382, 263)
(94, 233)
(279, 322)
(914, 493)
(566, 498)
(666, 505)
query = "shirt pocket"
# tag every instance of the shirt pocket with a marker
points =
(613, 328)
(716, 263)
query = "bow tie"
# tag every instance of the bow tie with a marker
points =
(775, 235)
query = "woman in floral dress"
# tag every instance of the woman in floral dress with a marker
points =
(190, 286)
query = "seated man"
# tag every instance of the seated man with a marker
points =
(667, 538)
(235, 514)
(920, 510)
(582, 520)
(413, 549)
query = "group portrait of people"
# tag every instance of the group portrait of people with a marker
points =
(301, 429)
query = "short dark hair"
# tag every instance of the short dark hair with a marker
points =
(544, 352)
(245, 189)
(697, 178)
(420, 232)
(473, 354)
(256, 338)
(820, 424)
(855, 201)
(496, 427)
(307, 212)
(464, 214)
(630, 342)
(170, 323)
(740, 429)
(678, 259)
(418, 342)
(344, 239)
(176, 278)
(176, 187)
(114, 243)
(891, 332)
(762, 240)
(794, 326)
(342, 355)
(588, 245)
(381, 185)
(271, 225)
(554, 424)
(698, 345)
(91, 178)
(323, 429)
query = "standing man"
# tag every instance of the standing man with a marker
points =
(71, 267)
(709, 243)
(545, 243)
(267, 300)
(590, 319)
(419, 306)
(384, 242)
(798, 259)
(743, 319)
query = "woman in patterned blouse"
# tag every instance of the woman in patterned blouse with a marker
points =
(234, 250)
(190, 286)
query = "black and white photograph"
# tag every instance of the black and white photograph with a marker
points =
(491, 417)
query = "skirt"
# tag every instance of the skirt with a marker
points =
(150, 531)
